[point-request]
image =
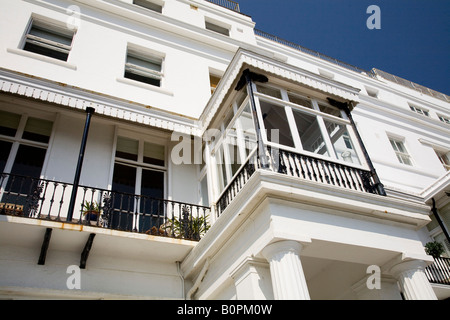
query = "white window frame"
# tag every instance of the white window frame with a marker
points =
(217, 27)
(154, 6)
(444, 158)
(419, 110)
(17, 140)
(60, 29)
(399, 154)
(319, 115)
(139, 164)
(145, 56)
(444, 119)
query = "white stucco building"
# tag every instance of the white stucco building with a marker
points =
(219, 162)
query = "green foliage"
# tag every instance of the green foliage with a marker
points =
(90, 207)
(192, 229)
(434, 249)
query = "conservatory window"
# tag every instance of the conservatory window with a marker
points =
(310, 133)
(276, 124)
(305, 125)
(341, 141)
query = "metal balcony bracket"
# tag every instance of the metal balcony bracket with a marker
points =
(86, 251)
(44, 247)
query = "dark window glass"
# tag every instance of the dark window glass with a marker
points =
(276, 123)
(29, 161)
(37, 130)
(148, 80)
(5, 148)
(46, 51)
(9, 122)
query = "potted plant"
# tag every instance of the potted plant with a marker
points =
(192, 229)
(434, 249)
(91, 210)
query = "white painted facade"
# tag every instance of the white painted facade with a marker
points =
(281, 237)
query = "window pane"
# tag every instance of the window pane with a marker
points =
(50, 33)
(300, 101)
(9, 122)
(152, 184)
(154, 154)
(149, 5)
(269, 91)
(25, 172)
(151, 205)
(204, 191)
(49, 40)
(5, 148)
(144, 63)
(401, 152)
(142, 69)
(340, 138)
(127, 148)
(330, 110)
(147, 80)
(49, 52)
(37, 130)
(275, 119)
(124, 182)
(233, 151)
(124, 179)
(221, 170)
(310, 134)
(29, 161)
(216, 28)
(214, 81)
(244, 123)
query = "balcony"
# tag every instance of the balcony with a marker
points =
(299, 166)
(49, 200)
(439, 271)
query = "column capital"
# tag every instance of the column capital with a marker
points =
(281, 246)
(413, 281)
(407, 266)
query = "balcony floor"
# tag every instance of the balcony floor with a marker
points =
(26, 232)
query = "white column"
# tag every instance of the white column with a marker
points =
(413, 281)
(288, 279)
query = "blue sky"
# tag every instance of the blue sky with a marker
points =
(413, 42)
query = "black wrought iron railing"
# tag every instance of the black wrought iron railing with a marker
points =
(439, 271)
(49, 200)
(303, 167)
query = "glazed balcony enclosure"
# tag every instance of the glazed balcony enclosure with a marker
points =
(273, 125)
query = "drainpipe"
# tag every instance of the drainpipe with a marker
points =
(182, 279)
(90, 111)
(377, 183)
(439, 220)
(247, 79)
(198, 281)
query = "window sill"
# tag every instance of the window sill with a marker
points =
(40, 57)
(144, 86)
